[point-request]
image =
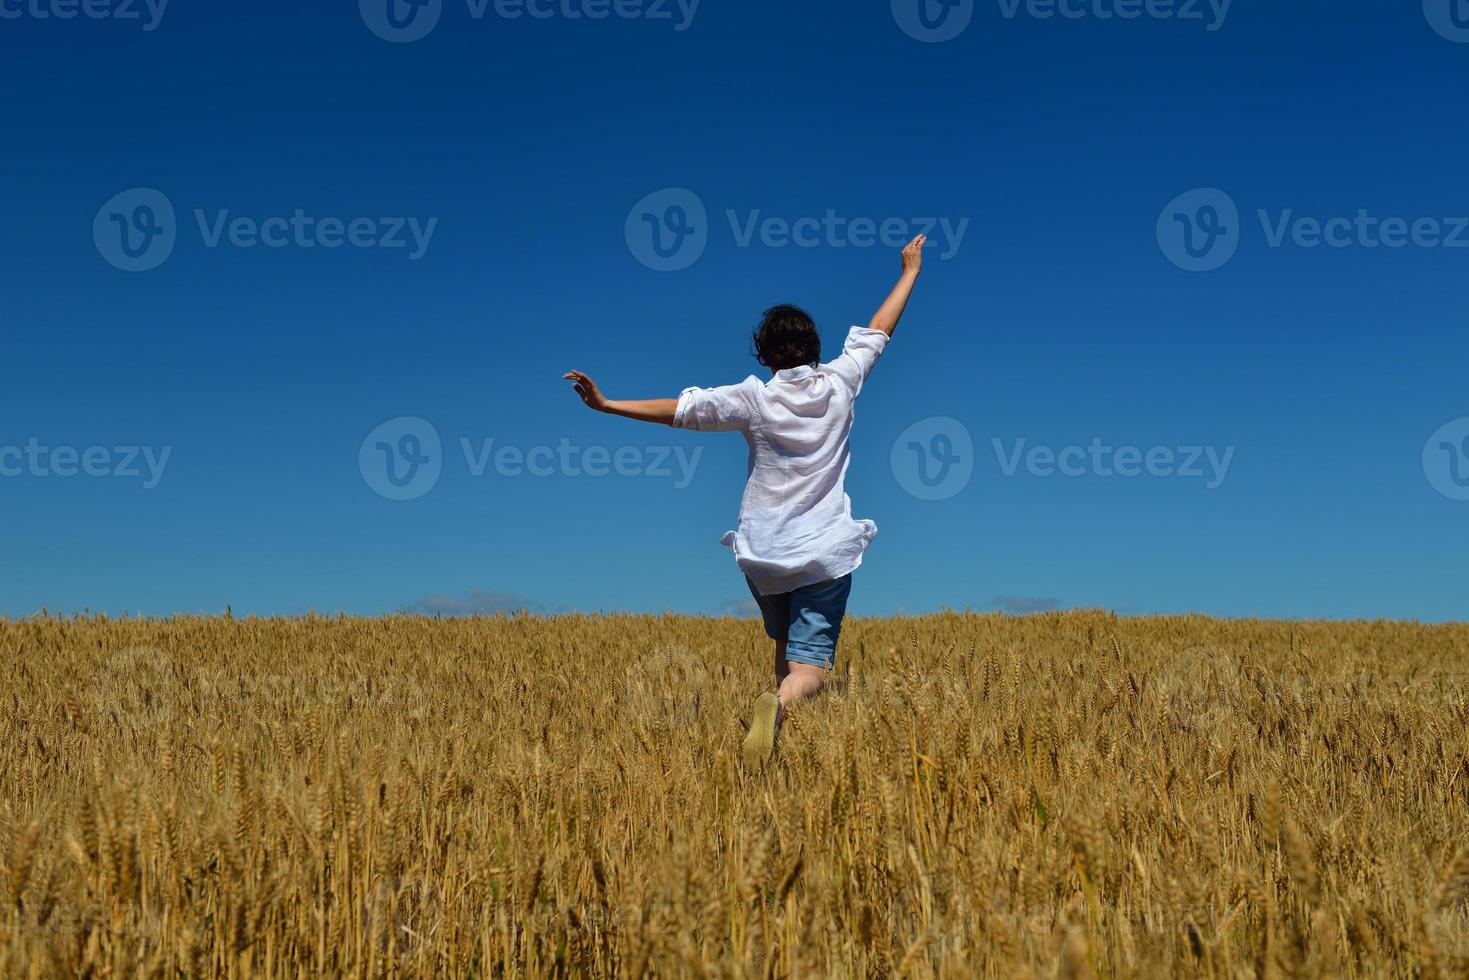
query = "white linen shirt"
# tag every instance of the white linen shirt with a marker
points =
(796, 526)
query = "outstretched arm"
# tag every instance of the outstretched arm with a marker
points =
(887, 316)
(658, 410)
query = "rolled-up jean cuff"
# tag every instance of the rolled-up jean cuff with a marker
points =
(809, 619)
(811, 658)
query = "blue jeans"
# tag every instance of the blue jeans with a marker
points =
(808, 619)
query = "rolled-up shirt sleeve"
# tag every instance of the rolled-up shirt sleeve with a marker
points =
(726, 409)
(859, 354)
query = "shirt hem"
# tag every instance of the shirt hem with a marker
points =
(793, 582)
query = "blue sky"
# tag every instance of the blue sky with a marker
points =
(456, 218)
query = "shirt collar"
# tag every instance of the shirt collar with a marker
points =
(799, 373)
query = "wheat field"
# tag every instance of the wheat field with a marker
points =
(1067, 794)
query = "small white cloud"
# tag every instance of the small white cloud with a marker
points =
(742, 606)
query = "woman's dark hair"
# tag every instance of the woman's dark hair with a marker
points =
(787, 338)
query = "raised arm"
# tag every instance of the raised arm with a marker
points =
(659, 410)
(887, 316)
